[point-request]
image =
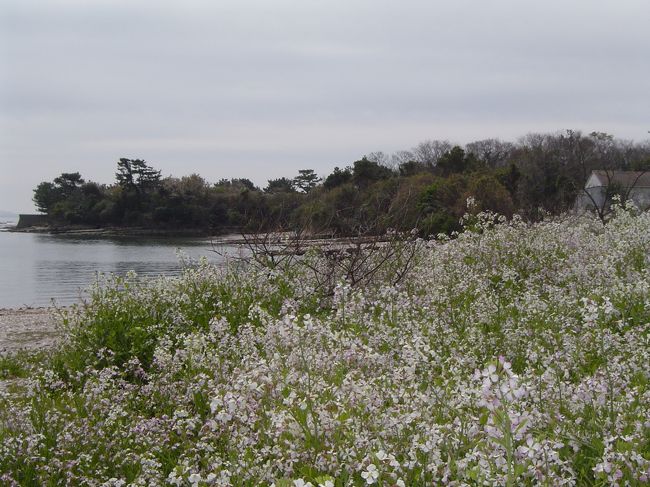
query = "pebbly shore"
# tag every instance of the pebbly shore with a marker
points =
(27, 329)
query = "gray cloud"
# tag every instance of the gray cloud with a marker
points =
(260, 89)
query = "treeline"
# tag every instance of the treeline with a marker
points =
(425, 188)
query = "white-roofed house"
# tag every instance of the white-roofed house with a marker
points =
(603, 185)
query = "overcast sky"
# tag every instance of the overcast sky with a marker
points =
(260, 89)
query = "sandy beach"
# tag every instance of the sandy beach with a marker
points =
(27, 329)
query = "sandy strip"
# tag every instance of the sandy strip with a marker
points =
(27, 329)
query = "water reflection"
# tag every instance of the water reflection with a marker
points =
(36, 268)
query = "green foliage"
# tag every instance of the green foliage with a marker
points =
(68, 182)
(443, 194)
(336, 210)
(46, 196)
(12, 366)
(457, 161)
(509, 177)
(489, 195)
(136, 174)
(366, 172)
(306, 180)
(404, 212)
(410, 168)
(640, 165)
(541, 173)
(127, 318)
(280, 185)
(439, 221)
(337, 178)
(54, 198)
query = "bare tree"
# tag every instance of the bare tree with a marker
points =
(380, 158)
(493, 152)
(401, 157)
(364, 259)
(430, 151)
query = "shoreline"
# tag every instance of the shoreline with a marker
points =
(228, 236)
(120, 231)
(27, 329)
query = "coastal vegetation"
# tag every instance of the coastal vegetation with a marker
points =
(424, 188)
(513, 353)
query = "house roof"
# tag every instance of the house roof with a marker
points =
(628, 179)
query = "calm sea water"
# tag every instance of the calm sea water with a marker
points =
(37, 268)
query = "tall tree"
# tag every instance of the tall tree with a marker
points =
(46, 196)
(124, 175)
(67, 182)
(136, 174)
(306, 180)
(147, 176)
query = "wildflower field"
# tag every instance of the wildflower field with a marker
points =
(513, 354)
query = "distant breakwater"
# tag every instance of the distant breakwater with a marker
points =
(32, 220)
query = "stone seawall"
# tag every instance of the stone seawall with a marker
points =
(26, 221)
